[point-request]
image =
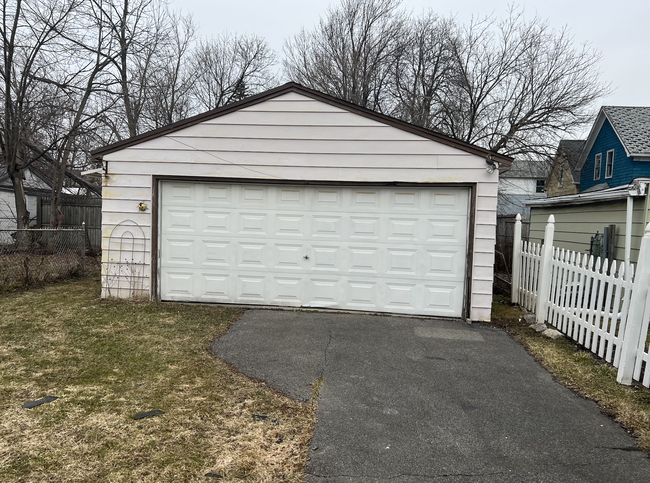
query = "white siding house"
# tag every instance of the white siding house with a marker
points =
(294, 198)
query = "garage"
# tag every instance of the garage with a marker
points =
(294, 198)
(380, 249)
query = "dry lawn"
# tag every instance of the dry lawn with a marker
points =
(108, 360)
(20, 270)
(583, 372)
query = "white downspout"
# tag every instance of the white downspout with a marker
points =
(628, 230)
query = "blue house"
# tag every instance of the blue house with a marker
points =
(608, 215)
(617, 150)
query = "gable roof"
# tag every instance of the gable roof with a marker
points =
(630, 123)
(527, 168)
(505, 161)
(570, 149)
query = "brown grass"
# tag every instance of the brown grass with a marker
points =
(21, 270)
(108, 360)
(583, 372)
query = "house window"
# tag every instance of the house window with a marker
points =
(561, 177)
(541, 183)
(609, 164)
(597, 163)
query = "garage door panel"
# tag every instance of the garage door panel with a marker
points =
(251, 255)
(216, 287)
(287, 256)
(378, 249)
(449, 201)
(180, 284)
(289, 225)
(363, 259)
(323, 292)
(215, 253)
(180, 251)
(180, 221)
(446, 231)
(251, 289)
(445, 264)
(217, 222)
(441, 298)
(362, 295)
(217, 195)
(324, 226)
(288, 290)
(364, 228)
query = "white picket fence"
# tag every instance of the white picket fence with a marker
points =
(603, 309)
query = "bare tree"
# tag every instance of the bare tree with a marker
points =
(349, 53)
(516, 85)
(31, 34)
(422, 70)
(230, 68)
(138, 30)
(512, 85)
(172, 83)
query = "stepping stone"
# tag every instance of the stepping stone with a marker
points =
(149, 414)
(38, 402)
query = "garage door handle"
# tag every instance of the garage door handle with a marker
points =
(306, 257)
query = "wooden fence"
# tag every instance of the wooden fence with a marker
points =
(504, 241)
(75, 212)
(603, 309)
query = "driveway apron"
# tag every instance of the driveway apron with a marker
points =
(408, 400)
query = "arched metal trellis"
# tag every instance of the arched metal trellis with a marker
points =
(123, 267)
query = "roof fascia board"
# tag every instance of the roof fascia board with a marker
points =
(591, 139)
(293, 87)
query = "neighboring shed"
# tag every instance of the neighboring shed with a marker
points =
(564, 178)
(295, 198)
(579, 217)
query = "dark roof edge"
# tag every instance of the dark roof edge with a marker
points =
(294, 87)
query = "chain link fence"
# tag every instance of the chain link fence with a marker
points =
(37, 256)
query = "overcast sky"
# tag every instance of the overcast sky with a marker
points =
(618, 29)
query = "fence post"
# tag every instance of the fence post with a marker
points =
(83, 247)
(544, 283)
(632, 335)
(516, 261)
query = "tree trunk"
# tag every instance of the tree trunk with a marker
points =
(22, 215)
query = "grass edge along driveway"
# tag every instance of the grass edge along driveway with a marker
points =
(108, 360)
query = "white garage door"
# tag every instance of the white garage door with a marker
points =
(399, 250)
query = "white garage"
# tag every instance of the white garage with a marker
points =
(293, 198)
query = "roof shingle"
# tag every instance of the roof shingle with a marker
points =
(632, 124)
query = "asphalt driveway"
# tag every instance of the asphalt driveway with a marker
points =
(409, 400)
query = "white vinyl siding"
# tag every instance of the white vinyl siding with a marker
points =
(295, 138)
(609, 164)
(598, 161)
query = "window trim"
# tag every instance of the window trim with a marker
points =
(538, 186)
(608, 165)
(598, 162)
(561, 177)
